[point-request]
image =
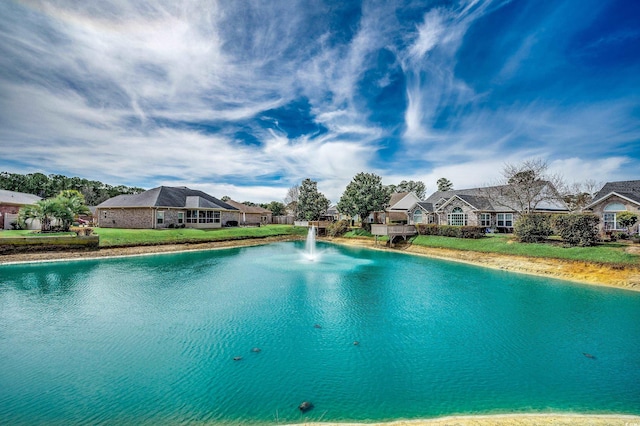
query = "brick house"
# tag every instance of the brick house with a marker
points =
(165, 207)
(614, 198)
(473, 207)
(10, 204)
(252, 214)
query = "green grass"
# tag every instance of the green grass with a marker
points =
(500, 243)
(110, 237)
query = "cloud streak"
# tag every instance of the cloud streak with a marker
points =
(253, 97)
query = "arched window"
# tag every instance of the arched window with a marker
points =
(610, 217)
(457, 217)
(417, 216)
(615, 207)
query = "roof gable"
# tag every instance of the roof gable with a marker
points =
(461, 197)
(612, 194)
(628, 189)
(403, 201)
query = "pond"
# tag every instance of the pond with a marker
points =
(363, 335)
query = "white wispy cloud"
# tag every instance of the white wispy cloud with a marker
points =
(135, 92)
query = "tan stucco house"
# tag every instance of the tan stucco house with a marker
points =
(614, 198)
(473, 207)
(166, 207)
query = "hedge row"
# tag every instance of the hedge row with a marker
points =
(451, 231)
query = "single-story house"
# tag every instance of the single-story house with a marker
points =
(165, 207)
(251, 214)
(614, 198)
(10, 204)
(473, 207)
(332, 213)
(399, 205)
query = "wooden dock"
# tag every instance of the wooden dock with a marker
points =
(393, 231)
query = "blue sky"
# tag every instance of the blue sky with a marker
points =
(246, 98)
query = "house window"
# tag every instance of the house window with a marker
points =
(180, 218)
(485, 219)
(505, 220)
(159, 218)
(417, 216)
(192, 216)
(610, 221)
(216, 217)
(611, 215)
(104, 214)
(615, 207)
(457, 217)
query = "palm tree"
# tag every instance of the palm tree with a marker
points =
(44, 211)
(65, 207)
(71, 205)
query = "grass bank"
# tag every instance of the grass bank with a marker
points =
(610, 253)
(116, 237)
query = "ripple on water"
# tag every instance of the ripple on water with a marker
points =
(153, 340)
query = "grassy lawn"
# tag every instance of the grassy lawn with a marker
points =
(501, 243)
(110, 237)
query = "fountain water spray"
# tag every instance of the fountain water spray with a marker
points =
(311, 243)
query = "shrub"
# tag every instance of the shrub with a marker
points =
(577, 229)
(424, 229)
(533, 228)
(451, 231)
(339, 228)
(627, 220)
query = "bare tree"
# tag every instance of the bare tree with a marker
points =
(580, 194)
(292, 198)
(526, 186)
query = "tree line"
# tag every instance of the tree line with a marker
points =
(49, 186)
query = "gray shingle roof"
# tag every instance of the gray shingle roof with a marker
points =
(627, 188)
(168, 196)
(478, 198)
(17, 198)
(426, 206)
(248, 209)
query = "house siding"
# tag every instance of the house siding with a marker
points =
(134, 218)
(226, 216)
(4, 210)
(472, 218)
(598, 209)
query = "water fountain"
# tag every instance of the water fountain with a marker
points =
(310, 247)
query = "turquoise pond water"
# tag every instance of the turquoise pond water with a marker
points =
(151, 339)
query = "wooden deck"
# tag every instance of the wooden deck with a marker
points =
(393, 231)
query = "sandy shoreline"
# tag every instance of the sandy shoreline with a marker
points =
(507, 420)
(627, 278)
